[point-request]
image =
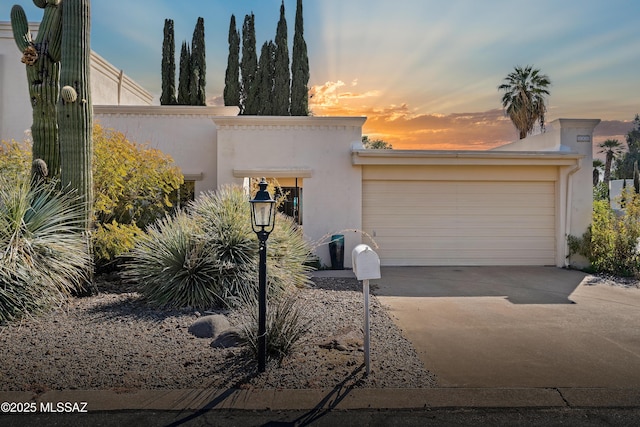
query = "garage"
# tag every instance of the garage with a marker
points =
(468, 208)
(422, 222)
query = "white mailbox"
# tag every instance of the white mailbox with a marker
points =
(365, 263)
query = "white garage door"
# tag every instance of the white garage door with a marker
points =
(461, 222)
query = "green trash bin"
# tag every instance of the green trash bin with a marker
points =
(336, 252)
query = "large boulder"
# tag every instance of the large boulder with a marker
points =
(209, 326)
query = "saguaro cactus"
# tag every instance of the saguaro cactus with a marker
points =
(75, 109)
(42, 59)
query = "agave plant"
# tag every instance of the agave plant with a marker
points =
(43, 251)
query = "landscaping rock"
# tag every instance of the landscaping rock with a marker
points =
(346, 340)
(228, 339)
(209, 326)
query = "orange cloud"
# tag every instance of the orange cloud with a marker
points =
(406, 128)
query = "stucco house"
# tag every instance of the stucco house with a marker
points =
(514, 205)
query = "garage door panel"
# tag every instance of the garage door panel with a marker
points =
(438, 209)
(461, 223)
(501, 243)
(399, 234)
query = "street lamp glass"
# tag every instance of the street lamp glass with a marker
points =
(263, 209)
(262, 213)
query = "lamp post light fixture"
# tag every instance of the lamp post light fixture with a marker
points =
(263, 215)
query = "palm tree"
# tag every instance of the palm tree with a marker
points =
(612, 149)
(597, 167)
(524, 99)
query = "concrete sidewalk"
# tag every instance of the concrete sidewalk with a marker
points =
(338, 399)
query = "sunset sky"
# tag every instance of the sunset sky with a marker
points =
(424, 72)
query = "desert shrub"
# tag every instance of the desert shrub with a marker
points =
(285, 324)
(43, 252)
(113, 240)
(225, 218)
(133, 183)
(611, 243)
(15, 159)
(225, 221)
(601, 191)
(172, 265)
(208, 256)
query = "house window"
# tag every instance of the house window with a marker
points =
(292, 204)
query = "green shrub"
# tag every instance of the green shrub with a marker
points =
(601, 191)
(133, 183)
(209, 256)
(15, 159)
(111, 241)
(43, 252)
(611, 243)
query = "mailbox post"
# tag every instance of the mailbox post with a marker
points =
(366, 265)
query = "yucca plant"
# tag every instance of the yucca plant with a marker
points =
(208, 256)
(226, 221)
(171, 264)
(285, 323)
(43, 253)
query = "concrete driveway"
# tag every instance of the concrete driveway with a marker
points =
(516, 326)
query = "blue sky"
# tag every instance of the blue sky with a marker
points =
(425, 72)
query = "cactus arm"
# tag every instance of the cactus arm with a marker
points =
(75, 118)
(41, 58)
(20, 26)
(49, 38)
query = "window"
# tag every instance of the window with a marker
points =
(292, 205)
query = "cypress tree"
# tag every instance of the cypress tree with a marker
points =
(299, 69)
(168, 96)
(282, 87)
(232, 76)
(249, 66)
(198, 65)
(265, 80)
(184, 83)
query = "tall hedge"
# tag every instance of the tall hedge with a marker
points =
(184, 83)
(265, 80)
(198, 65)
(299, 69)
(249, 66)
(168, 96)
(282, 83)
(232, 75)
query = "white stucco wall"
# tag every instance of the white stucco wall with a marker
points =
(575, 183)
(315, 148)
(185, 133)
(108, 86)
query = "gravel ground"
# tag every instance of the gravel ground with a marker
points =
(115, 341)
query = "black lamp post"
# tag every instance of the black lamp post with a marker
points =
(263, 214)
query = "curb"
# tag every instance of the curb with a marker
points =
(341, 399)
